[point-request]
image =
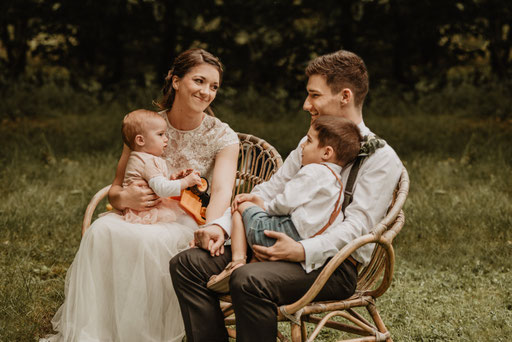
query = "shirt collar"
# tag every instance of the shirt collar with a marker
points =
(363, 129)
(335, 167)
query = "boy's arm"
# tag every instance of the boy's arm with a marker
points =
(267, 190)
(275, 185)
(298, 191)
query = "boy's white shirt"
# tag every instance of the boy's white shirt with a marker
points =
(309, 198)
(373, 192)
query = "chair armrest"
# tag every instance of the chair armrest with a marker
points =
(328, 270)
(89, 211)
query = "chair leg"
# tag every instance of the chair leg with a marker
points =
(303, 331)
(372, 309)
(296, 333)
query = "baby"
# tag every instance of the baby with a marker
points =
(144, 132)
(310, 202)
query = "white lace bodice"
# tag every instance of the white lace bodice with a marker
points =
(197, 148)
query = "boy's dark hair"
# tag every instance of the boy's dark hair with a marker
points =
(342, 69)
(341, 134)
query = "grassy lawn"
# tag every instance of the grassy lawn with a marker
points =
(453, 273)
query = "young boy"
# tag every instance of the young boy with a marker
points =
(311, 200)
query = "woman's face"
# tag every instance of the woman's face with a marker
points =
(198, 88)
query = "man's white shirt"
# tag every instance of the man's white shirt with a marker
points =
(372, 195)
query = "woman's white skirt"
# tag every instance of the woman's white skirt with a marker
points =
(118, 287)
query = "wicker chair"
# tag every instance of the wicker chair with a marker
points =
(368, 286)
(257, 162)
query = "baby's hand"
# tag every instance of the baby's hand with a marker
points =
(191, 180)
(181, 174)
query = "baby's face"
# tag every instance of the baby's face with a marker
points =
(154, 136)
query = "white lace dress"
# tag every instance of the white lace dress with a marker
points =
(118, 287)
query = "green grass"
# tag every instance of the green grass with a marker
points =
(453, 270)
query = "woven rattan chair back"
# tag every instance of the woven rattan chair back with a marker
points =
(257, 162)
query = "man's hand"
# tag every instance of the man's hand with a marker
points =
(210, 238)
(285, 248)
(241, 198)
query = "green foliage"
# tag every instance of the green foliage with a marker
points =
(454, 254)
(265, 43)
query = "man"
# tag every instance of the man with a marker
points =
(337, 85)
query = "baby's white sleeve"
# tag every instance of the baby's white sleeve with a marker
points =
(164, 187)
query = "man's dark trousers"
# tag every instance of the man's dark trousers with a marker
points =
(257, 289)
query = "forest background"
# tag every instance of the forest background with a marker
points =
(440, 94)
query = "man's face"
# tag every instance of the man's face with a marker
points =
(320, 100)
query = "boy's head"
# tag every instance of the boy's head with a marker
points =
(144, 131)
(331, 139)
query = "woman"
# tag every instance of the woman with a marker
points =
(118, 287)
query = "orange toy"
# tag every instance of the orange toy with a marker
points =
(194, 201)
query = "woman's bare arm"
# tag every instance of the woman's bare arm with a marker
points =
(212, 237)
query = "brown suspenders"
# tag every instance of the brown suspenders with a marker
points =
(337, 206)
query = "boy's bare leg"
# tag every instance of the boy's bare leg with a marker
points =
(238, 240)
(220, 282)
(241, 208)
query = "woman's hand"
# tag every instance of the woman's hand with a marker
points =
(139, 196)
(210, 238)
(285, 248)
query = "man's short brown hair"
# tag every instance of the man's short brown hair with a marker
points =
(341, 134)
(342, 69)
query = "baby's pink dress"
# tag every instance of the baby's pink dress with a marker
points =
(145, 166)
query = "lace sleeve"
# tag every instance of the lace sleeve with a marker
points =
(225, 136)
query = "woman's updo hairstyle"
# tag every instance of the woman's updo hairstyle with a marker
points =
(181, 66)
